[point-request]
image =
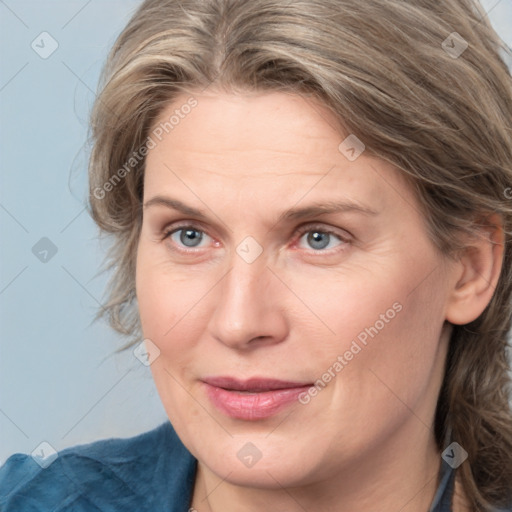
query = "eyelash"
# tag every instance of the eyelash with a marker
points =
(301, 231)
(318, 228)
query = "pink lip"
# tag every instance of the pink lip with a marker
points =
(252, 399)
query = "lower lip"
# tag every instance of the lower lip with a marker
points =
(253, 406)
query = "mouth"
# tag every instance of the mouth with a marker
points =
(252, 399)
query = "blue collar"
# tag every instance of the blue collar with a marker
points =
(443, 498)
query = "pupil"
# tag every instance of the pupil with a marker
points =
(318, 240)
(190, 237)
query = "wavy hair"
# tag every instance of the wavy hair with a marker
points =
(423, 83)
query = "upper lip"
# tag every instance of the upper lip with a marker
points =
(253, 384)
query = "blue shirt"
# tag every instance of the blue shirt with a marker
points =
(150, 472)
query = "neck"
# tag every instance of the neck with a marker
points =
(402, 476)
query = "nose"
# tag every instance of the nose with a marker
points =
(249, 311)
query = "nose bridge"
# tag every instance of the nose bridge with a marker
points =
(245, 307)
(243, 290)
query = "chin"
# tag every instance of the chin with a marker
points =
(259, 461)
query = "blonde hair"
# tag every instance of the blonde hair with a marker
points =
(435, 104)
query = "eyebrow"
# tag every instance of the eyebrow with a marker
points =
(296, 213)
(324, 208)
(175, 205)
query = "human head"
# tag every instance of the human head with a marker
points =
(438, 119)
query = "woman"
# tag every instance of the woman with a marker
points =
(311, 232)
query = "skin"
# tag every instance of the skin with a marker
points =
(364, 442)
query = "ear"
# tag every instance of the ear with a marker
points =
(476, 273)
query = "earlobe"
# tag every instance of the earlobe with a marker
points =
(477, 273)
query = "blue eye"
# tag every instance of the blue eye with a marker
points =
(188, 236)
(318, 239)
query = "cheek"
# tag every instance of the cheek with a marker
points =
(373, 325)
(355, 304)
(409, 361)
(172, 316)
(165, 296)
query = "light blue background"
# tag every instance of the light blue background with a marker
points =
(57, 383)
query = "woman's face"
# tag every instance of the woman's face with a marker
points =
(291, 288)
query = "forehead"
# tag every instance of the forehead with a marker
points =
(273, 146)
(251, 126)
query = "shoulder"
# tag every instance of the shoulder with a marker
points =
(150, 471)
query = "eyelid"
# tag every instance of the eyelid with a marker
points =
(176, 226)
(169, 230)
(343, 235)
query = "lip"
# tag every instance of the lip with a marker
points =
(252, 399)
